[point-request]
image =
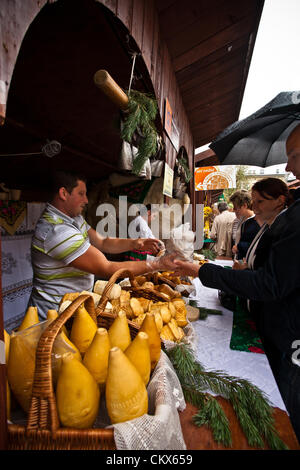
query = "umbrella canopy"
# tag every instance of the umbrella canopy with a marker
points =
(260, 138)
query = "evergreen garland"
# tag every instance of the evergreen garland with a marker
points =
(187, 172)
(250, 404)
(142, 111)
(208, 254)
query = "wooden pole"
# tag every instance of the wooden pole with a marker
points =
(111, 89)
(3, 416)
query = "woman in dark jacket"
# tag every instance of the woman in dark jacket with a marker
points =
(276, 285)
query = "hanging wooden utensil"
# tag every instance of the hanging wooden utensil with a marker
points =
(107, 84)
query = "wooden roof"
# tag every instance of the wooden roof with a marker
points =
(211, 44)
(208, 44)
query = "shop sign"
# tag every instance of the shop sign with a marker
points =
(168, 118)
(168, 181)
(215, 177)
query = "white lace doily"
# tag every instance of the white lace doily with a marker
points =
(190, 339)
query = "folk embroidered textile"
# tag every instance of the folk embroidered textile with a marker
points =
(135, 192)
(244, 335)
(12, 214)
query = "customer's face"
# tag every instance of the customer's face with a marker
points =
(293, 153)
(240, 211)
(266, 209)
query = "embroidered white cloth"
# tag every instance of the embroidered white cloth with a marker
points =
(213, 348)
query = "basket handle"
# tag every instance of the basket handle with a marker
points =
(107, 290)
(43, 411)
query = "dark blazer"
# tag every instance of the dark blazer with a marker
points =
(275, 284)
(249, 229)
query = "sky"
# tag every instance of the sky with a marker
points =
(275, 63)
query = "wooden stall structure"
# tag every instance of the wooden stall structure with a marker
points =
(194, 56)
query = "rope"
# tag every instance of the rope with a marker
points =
(132, 70)
(49, 150)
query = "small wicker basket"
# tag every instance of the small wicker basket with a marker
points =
(145, 292)
(43, 430)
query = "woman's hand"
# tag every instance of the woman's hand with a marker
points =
(234, 249)
(240, 265)
(162, 263)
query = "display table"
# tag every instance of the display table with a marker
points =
(214, 353)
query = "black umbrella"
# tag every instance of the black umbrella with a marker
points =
(260, 138)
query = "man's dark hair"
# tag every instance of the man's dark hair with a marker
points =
(148, 207)
(63, 179)
(222, 206)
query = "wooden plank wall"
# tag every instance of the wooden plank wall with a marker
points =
(141, 19)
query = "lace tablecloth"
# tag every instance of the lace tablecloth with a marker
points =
(213, 346)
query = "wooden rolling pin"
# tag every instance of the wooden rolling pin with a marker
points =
(104, 81)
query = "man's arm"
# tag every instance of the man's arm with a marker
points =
(120, 245)
(93, 261)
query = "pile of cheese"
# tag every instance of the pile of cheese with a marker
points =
(170, 314)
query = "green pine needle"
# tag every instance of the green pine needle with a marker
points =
(250, 404)
(185, 166)
(213, 416)
(142, 111)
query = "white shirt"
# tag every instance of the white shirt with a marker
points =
(139, 228)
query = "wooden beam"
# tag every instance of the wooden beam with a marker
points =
(226, 36)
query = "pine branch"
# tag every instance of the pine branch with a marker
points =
(185, 166)
(142, 111)
(212, 415)
(250, 404)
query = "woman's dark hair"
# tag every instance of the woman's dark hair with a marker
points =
(63, 179)
(272, 188)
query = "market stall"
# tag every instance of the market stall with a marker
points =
(166, 419)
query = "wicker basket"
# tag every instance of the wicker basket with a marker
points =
(138, 291)
(43, 430)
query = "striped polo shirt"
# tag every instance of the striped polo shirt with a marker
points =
(58, 240)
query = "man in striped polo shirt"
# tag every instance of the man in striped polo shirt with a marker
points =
(67, 252)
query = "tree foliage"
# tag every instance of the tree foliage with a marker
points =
(242, 181)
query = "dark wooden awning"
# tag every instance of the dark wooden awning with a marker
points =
(52, 94)
(211, 44)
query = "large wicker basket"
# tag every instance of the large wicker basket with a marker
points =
(43, 430)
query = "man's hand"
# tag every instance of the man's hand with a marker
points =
(151, 245)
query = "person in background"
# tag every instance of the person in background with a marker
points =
(141, 226)
(246, 225)
(276, 285)
(221, 230)
(270, 196)
(66, 252)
